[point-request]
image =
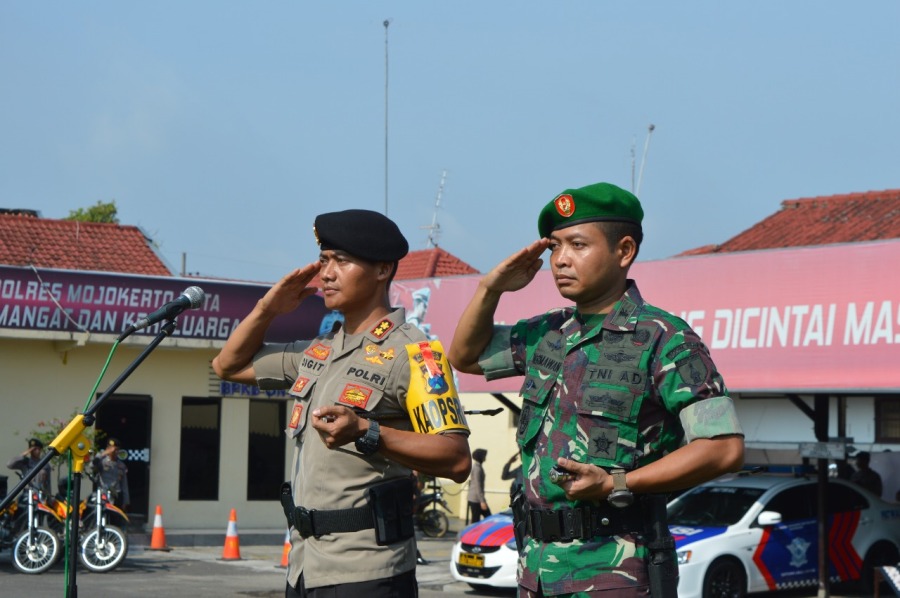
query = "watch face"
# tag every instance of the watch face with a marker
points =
(621, 499)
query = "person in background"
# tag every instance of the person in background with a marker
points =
(374, 399)
(112, 473)
(512, 473)
(478, 506)
(865, 476)
(621, 404)
(28, 460)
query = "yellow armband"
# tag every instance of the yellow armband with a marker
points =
(432, 401)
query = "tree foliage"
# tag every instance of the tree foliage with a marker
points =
(99, 212)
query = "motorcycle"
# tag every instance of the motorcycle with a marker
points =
(103, 544)
(35, 546)
(433, 522)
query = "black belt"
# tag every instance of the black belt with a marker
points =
(581, 523)
(311, 522)
(318, 523)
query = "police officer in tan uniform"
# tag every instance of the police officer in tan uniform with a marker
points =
(374, 400)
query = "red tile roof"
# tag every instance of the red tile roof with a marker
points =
(69, 245)
(822, 220)
(432, 263)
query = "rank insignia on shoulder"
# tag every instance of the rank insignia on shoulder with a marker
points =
(382, 328)
(319, 351)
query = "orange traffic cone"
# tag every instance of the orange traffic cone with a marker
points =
(287, 549)
(158, 539)
(232, 550)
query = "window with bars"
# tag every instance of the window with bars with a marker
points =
(265, 449)
(887, 418)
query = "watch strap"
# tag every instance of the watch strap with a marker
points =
(619, 483)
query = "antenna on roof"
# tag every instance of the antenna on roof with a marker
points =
(644, 160)
(435, 228)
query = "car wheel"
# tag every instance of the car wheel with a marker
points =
(879, 555)
(725, 578)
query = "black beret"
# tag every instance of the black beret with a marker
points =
(362, 233)
(34, 442)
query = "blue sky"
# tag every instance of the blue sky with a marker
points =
(222, 128)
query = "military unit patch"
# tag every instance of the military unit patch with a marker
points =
(692, 369)
(382, 328)
(603, 442)
(355, 395)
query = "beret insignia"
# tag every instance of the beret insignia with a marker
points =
(565, 205)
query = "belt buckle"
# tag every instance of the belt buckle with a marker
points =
(303, 522)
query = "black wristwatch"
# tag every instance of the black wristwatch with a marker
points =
(621, 496)
(367, 444)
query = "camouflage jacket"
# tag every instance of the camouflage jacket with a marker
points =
(615, 390)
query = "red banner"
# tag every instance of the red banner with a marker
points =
(809, 319)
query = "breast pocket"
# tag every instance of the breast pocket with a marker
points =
(608, 419)
(535, 395)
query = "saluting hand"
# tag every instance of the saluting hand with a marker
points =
(338, 425)
(516, 271)
(287, 294)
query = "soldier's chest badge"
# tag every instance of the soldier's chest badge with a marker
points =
(355, 395)
(603, 442)
(319, 351)
(375, 355)
(382, 328)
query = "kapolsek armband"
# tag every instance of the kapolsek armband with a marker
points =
(432, 401)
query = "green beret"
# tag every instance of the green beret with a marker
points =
(362, 233)
(594, 203)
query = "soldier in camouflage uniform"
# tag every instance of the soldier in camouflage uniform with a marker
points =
(622, 395)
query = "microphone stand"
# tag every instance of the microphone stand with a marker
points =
(73, 438)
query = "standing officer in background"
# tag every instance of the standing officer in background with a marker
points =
(478, 506)
(112, 474)
(621, 404)
(28, 460)
(374, 400)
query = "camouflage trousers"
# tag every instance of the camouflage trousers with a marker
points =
(634, 592)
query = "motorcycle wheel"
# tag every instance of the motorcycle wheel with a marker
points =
(38, 555)
(103, 551)
(435, 523)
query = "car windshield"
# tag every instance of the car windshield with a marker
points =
(712, 506)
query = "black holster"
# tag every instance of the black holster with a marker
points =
(662, 567)
(520, 515)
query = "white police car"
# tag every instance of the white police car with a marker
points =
(485, 553)
(758, 533)
(738, 534)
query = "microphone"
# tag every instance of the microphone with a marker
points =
(191, 298)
